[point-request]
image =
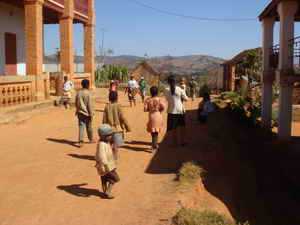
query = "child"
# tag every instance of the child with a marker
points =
(205, 107)
(113, 86)
(67, 94)
(182, 84)
(155, 107)
(105, 161)
(113, 115)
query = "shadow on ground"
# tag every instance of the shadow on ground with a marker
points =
(84, 157)
(136, 148)
(64, 141)
(256, 181)
(79, 191)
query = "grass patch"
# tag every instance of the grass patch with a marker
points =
(195, 217)
(190, 173)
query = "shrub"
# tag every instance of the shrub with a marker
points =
(190, 172)
(195, 217)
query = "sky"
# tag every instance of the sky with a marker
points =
(131, 29)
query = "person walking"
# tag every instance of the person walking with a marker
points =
(155, 106)
(113, 86)
(105, 162)
(143, 86)
(205, 108)
(114, 116)
(193, 88)
(84, 112)
(132, 90)
(67, 92)
(176, 113)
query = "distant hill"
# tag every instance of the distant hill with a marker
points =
(178, 65)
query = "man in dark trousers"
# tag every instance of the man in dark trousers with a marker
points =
(193, 88)
(84, 112)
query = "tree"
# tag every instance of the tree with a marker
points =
(111, 72)
(251, 65)
(110, 51)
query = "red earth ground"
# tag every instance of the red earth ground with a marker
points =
(47, 180)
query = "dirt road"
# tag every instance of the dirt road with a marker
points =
(47, 180)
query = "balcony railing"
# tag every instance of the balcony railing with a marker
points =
(294, 54)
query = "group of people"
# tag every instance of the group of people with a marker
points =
(114, 122)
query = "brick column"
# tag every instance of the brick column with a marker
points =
(89, 43)
(34, 45)
(34, 36)
(66, 39)
(286, 11)
(268, 75)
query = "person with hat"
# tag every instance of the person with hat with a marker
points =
(143, 86)
(105, 160)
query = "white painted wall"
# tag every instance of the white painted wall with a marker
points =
(12, 21)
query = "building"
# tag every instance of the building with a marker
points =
(145, 70)
(280, 62)
(232, 73)
(21, 39)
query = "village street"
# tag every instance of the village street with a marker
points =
(47, 180)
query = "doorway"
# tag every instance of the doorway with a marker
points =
(10, 54)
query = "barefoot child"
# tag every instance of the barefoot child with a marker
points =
(155, 107)
(105, 161)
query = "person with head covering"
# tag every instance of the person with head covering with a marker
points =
(176, 113)
(132, 90)
(105, 161)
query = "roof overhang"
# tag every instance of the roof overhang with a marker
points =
(240, 57)
(52, 11)
(271, 11)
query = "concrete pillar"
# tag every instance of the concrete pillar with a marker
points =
(268, 75)
(287, 11)
(34, 45)
(89, 43)
(34, 36)
(232, 77)
(225, 77)
(66, 39)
